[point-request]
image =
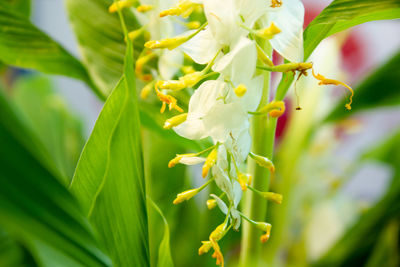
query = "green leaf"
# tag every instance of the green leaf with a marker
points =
(25, 46)
(100, 39)
(381, 88)
(343, 14)
(47, 114)
(34, 205)
(21, 6)
(164, 250)
(109, 179)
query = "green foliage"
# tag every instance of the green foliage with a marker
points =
(100, 39)
(343, 14)
(23, 45)
(381, 88)
(48, 116)
(21, 6)
(33, 204)
(109, 179)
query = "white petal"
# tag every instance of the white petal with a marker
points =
(192, 128)
(206, 96)
(236, 218)
(192, 160)
(240, 63)
(221, 204)
(202, 48)
(221, 17)
(251, 10)
(223, 182)
(169, 64)
(252, 97)
(224, 119)
(289, 18)
(242, 145)
(237, 193)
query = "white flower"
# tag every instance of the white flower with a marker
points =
(289, 18)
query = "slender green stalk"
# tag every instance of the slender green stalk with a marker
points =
(263, 134)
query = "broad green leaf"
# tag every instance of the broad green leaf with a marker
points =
(379, 89)
(164, 250)
(109, 179)
(34, 205)
(23, 45)
(100, 39)
(13, 253)
(48, 116)
(343, 14)
(21, 6)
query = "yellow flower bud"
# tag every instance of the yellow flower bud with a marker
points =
(120, 5)
(175, 121)
(133, 35)
(268, 33)
(263, 162)
(144, 8)
(193, 25)
(274, 197)
(146, 90)
(274, 108)
(240, 90)
(205, 247)
(185, 196)
(189, 80)
(210, 161)
(169, 43)
(266, 227)
(244, 179)
(173, 162)
(184, 9)
(211, 204)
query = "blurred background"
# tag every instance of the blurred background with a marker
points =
(337, 167)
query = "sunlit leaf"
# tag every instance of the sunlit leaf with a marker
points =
(343, 14)
(100, 39)
(23, 45)
(21, 6)
(33, 204)
(381, 88)
(109, 179)
(47, 114)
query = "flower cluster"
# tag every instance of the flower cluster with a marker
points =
(235, 38)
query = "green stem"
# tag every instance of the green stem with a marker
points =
(263, 135)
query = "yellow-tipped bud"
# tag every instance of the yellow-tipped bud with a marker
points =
(325, 81)
(205, 247)
(210, 161)
(185, 196)
(193, 25)
(268, 33)
(276, 3)
(211, 204)
(218, 233)
(146, 90)
(168, 100)
(120, 5)
(189, 80)
(240, 90)
(184, 9)
(263, 162)
(141, 62)
(173, 162)
(266, 227)
(188, 69)
(274, 108)
(244, 179)
(274, 197)
(169, 43)
(175, 121)
(144, 8)
(133, 35)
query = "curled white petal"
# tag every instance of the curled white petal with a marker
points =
(289, 18)
(221, 204)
